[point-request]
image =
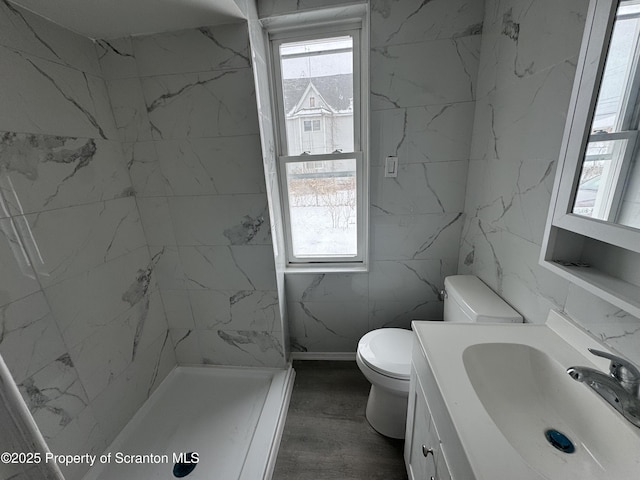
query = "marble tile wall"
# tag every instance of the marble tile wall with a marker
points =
(424, 60)
(259, 53)
(81, 319)
(185, 107)
(527, 65)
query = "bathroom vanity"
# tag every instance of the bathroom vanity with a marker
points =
(485, 398)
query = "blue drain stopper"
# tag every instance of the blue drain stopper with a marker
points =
(182, 469)
(560, 441)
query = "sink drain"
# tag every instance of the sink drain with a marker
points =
(560, 441)
(182, 469)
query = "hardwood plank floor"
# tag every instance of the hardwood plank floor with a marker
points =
(326, 435)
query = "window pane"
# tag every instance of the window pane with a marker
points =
(618, 72)
(322, 208)
(317, 82)
(598, 178)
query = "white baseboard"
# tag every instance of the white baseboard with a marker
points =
(343, 356)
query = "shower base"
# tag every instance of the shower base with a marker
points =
(231, 418)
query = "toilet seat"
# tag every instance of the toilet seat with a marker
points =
(388, 352)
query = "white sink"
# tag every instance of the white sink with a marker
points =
(504, 385)
(526, 392)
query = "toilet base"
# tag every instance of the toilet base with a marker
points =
(387, 412)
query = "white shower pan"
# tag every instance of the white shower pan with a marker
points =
(231, 417)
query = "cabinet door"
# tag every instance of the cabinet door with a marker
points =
(424, 440)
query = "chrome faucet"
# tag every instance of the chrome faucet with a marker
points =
(621, 388)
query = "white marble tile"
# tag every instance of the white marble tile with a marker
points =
(419, 188)
(537, 36)
(397, 80)
(18, 278)
(146, 176)
(201, 104)
(389, 314)
(116, 58)
(129, 109)
(411, 282)
(99, 295)
(47, 172)
(102, 106)
(82, 435)
(115, 406)
(396, 22)
(169, 271)
(613, 326)
(74, 240)
(235, 310)
(29, 336)
(221, 220)
(433, 133)
(513, 196)
(156, 221)
(23, 30)
(178, 308)
(194, 50)
(54, 396)
(410, 237)
(242, 348)
(536, 108)
(268, 8)
(212, 308)
(327, 327)
(234, 268)
(112, 347)
(45, 97)
(509, 265)
(327, 287)
(206, 166)
(186, 346)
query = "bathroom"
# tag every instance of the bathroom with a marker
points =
(125, 254)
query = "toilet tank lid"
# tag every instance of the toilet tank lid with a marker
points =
(478, 300)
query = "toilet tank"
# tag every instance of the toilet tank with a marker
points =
(469, 300)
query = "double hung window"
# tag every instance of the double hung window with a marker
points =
(317, 80)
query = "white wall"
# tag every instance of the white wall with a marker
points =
(424, 60)
(82, 326)
(185, 106)
(527, 66)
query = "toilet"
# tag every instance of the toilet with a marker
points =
(384, 355)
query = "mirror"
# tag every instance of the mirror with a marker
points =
(608, 187)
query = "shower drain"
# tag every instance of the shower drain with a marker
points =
(559, 440)
(182, 469)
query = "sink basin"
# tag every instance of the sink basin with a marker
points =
(527, 392)
(495, 389)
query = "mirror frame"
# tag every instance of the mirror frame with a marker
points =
(589, 71)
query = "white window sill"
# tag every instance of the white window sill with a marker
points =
(325, 268)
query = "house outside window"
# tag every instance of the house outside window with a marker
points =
(323, 168)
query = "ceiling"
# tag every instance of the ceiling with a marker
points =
(120, 18)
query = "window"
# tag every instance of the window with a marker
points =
(322, 160)
(311, 125)
(614, 130)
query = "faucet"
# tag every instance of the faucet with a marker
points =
(621, 388)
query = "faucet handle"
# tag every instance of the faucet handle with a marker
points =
(626, 372)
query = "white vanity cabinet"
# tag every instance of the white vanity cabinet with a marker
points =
(432, 449)
(423, 454)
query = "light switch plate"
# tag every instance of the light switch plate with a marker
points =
(391, 167)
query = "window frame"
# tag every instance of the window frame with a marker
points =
(357, 30)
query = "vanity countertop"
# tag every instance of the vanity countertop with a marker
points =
(504, 385)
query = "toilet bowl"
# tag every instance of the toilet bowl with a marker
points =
(384, 355)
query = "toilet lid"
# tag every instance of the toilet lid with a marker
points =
(388, 351)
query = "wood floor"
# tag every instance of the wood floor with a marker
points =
(326, 435)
